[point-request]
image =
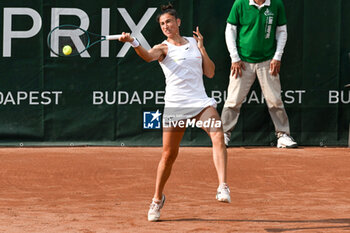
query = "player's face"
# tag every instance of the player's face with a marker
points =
(169, 25)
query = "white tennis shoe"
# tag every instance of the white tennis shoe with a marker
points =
(285, 141)
(223, 193)
(154, 209)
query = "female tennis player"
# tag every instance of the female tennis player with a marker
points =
(183, 60)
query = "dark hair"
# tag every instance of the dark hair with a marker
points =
(167, 9)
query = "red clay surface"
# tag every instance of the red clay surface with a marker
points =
(109, 189)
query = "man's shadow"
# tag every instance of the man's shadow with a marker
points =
(323, 221)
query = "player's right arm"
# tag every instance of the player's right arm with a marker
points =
(158, 52)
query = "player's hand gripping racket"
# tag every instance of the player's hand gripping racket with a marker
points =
(70, 40)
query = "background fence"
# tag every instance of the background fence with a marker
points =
(102, 99)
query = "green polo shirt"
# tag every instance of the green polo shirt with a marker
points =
(256, 29)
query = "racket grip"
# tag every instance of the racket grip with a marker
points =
(113, 37)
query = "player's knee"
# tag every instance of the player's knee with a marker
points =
(217, 138)
(169, 156)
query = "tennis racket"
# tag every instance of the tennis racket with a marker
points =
(70, 40)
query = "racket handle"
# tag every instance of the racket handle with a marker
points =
(113, 37)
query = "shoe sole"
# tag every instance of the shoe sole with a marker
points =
(153, 220)
(223, 200)
(284, 146)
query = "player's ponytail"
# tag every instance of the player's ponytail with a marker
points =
(167, 9)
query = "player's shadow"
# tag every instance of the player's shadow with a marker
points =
(323, 221)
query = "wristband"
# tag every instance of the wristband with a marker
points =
(135, 43)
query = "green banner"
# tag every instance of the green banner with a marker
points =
(106, 96)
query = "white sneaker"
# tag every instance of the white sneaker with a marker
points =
(285, 141)
(227, 137)
(154, 209)
(223, 193)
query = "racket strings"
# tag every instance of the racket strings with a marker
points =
(68, 35)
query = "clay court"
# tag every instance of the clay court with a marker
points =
(109, 189)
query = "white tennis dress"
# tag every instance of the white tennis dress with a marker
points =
(185, 96)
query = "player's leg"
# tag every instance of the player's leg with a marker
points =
(271, 88)
(171, 142)
(236, 93)
(216, 135)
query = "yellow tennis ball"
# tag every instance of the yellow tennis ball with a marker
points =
(67, 50)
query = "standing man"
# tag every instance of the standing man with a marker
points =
(256, 34)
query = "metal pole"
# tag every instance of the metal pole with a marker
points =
(348, 86)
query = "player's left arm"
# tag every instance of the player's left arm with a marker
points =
(208, 64)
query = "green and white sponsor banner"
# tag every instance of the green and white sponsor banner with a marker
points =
(110, 96)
